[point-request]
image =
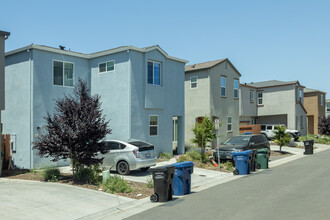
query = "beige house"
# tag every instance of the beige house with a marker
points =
(314, 103)
(3, 36)
(327, 108)
(212, 89)
(273, 102)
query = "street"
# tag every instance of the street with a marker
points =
(296, 190)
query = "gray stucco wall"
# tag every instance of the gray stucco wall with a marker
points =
(2, 73)
(246, 107)
(16, 117)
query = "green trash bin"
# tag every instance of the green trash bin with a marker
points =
(262, 158)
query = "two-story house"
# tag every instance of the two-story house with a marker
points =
(327, 108)
(212, 89)
(314, 103)
(3, 36)
(273, 102)
(141, 89)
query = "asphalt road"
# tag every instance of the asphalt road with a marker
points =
(296, 190)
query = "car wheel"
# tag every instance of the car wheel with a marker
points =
(144, 169)
(235, 172)
(123, 168)
(154, 198)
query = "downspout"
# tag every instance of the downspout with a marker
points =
(31, 124)
(129, 95)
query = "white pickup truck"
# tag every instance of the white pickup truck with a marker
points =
(268, 131)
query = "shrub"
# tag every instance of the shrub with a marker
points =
(150, 183)
(165, 156)
(229, 166)
(51, 174)
(90, 175)
(33, 171)
(195, 156)
(116, 184)
(183, 158)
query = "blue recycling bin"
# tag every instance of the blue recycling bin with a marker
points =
(242, 162)
(182, 178)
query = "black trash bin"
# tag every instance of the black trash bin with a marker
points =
(163, 183)
(253, 160)
(309, 144)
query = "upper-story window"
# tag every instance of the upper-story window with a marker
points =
(223, 86)
(62, 73)
(300, 95)
(107, 66)
(235, 88)
(328, 107)
(193, 82)
(153, 73)
(260, 95)
(251, 96)
(322, 100)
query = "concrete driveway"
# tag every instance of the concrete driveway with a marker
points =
(22, 199)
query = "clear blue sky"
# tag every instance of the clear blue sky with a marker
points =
(274, 39)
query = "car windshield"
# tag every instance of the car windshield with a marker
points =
(240, 140)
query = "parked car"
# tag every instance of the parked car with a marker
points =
(240, 143)
(269, 131)
(124, 156)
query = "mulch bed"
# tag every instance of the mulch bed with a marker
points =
(140, 190)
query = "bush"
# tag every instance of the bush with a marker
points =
(321, 139)
(165, 156)
(150, 183)
(51, 174)
(183, 158)
(195, 156)
(116, 184)
(229, 166)
(90, 175)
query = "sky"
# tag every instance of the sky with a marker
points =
(264, 39)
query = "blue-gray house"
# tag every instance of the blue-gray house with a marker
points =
(142, 94)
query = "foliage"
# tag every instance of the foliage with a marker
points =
(324, 126)
(165, 156)
(229, 166)
(90, 175)
(51, 174)
(116, 184)
(75, 129)
(204, 133)
(33, 171)
(150, 183)
(195, 156)
(183, 158)
(321, 139)
(281, 137)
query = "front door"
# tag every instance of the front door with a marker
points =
(175, 133)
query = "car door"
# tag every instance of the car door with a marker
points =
(253, 143)
(113, 148)
(270, 131)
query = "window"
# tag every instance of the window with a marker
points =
(300, 95)
(193, 82)
(107, 66)
(153, 73)
(235, 88)
(328, 107)
(251, 96)
(229, 124)
(153, 125)
(223, 86)
(321, 100)
(301, 122)
(259, 98)
(62, 73)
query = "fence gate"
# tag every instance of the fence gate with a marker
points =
(5, 148)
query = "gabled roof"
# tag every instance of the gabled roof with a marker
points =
(271, 83)
(207, 65)
(97, 54)
(309, 90)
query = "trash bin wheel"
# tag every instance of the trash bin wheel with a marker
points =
(123, 168)
(258, 166)
(154, 198)
(235, 172)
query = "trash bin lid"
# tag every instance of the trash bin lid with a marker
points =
(242, 153)
(183, 164)
(162, 168)
(264, 150)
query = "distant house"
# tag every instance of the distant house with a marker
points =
(142, 94)
(314, 103)
(212, 89)
(273, 102)
(327, 108)
(3, 36)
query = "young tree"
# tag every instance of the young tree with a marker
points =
(281, 137)
(204, 133)
(324, 126)
(75, 129)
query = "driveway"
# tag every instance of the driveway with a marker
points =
(23, 199)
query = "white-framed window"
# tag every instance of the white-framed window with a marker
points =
(251, 96)
(301, 122)
(328, 107)
(63, 73)
(107, 66)
(322, 99)
(300, 95)
(229, 124)
(223, 86)
(153, 125)
(236, 88)
(193, 82)
(260, 95)
(154, 73)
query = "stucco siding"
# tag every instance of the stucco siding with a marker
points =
(246, 107)
(2, 73)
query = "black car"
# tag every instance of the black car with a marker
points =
(241, 143)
